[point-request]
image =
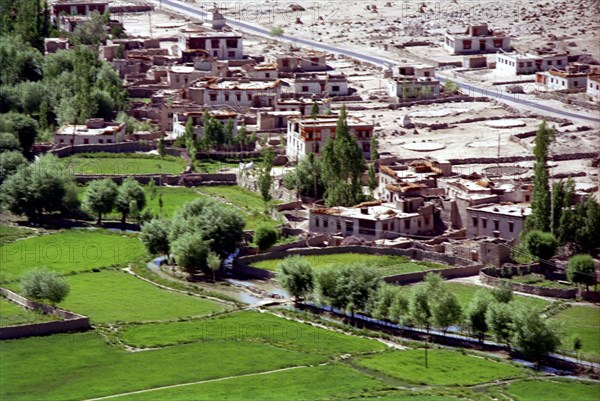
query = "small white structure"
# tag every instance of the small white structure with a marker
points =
(181, 76)
(263, 71)
(309, 135)
(332, 85)
(238, 93)
(406, 87)
(495, 220)
(517, 64)
(476, 39)
(562, 80)
(593, 86)
(298, 61)
(95, 131)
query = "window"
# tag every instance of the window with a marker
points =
(231, 43)
(249, 96)
(549, 62)
(62, 141)
(496, 225)
(474, 221)
(86, 141)
(558, 62)
(304, 88)
(521, 65)
(109, 141)
(214, 43)
(349, 227)
(511, 226)
(339, 225)
(213, 97)
(467, 44)
(575, 83)
(497, 42)
(286, 63)
(238, 97)
(526, 198)
(335, 88)
(484, 222)
(100, 140)
(267, 75)
(231, 54)
(316, 222)
(407, 224)
(325, 223)
(529, 64)
(385, 226)
(314, 61)
(226, 97)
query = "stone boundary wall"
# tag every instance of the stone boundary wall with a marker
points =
(513, 159)
(71, 321)
(188, 180)
(453, 99)
(571, 293)
(463, 267)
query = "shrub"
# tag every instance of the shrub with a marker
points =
(265, 236)
(43, 284)
(541, 244)
(581, 270)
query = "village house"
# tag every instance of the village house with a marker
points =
(180, 120)
(76, 7)
(593, 86)
(321, 85)
(309, 135)
(569, 79)
(397, 181)
(263, 71)
(52, 45)
(411, 87)
(303, 105)
(476, 39)
(497, 220)
(237, 93)
(530, 63)
(222, 45)
(299, 61)
(375, 220)
(95, 131)
(274, 120)
(181, 76)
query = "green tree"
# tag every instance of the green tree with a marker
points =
(100, 197)
(190, 252)
(541, 215)
(40, 284)
(476, 311)
(155, 236)
(92, 32)
(445, 310)
(23, 126)
(9, 142)
(451, 87)
(265, 180)
(532, 335)
(374, 149)
(314, 110)
(342, 166)
(562, 199)
(372, 178)
(581, 270)
(276, 31)
(503, 292)
(228, 132)
(161, 147)
(418, 307)
(296, 276)
(129, 191)
(213, 263)
(265, 236)
(9, 163)
(498, 319)
(306, 177)
(541, 244)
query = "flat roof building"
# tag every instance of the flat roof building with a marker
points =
(95, 131)
(476, 39)
(497, 220)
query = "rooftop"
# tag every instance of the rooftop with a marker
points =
(328, 121)
(510, 209)
(374, 211)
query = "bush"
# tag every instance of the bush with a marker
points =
(43, 284)
(541, 244)
(296, 276)
(581, 270)
(265, 236)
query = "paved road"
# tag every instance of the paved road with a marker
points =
(512, 100)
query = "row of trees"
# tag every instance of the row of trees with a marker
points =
(430, 305)
(556, 212)
(215, 134)
(200, 233)
(104, 196)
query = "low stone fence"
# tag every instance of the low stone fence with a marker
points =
(463, 267)
(71, 321)
(488, 276)
(514, 159)
(187, 180)
(450, 99)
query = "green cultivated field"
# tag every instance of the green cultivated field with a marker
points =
(81, 366)
(250, 203)
(12, 314)
(465, 292)
(300, 384)
(448, 368)
(249, 326)
(124, 164)
(214, 166)
(67, 251)
(583, 321)
(536, 390)
(10, 233)
(385, 264)
(112, 296)
(173, 199)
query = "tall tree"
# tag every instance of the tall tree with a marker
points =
(532, 335)
(129, 191)
(155, 236)
(476, 311)
(265, 180)
(581, 270)
(100, 197)
(540, 216)
(296, 276)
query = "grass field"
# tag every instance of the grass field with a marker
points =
(537, 390)
(250, 326)
(537, 279)
(385, 264)
(67, 251)
(80, 366)
(302, 384)
(173, 199)
(250, 203)
(583, 321)
(112, 296)
(214, 166)
(10, 233)
(124, 164)
(449, 368)
(465, 292)
(12, 314)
